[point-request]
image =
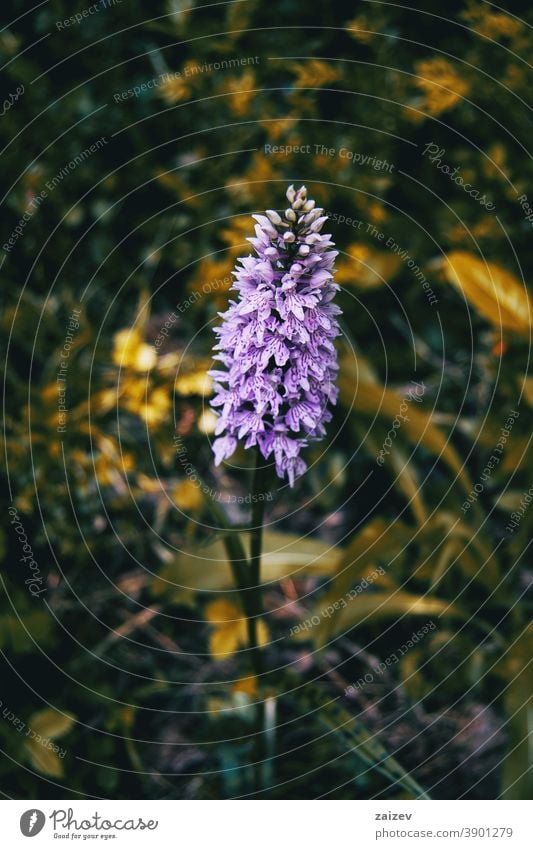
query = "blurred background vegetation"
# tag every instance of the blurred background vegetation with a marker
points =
(136, 144)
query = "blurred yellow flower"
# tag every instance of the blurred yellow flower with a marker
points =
(148, 484)
(494, 165)
(151, 405)
(493, 25)
(174, 89)
(187, 495)
(441, 85)
(195, 383)
(246, 685)
(514, 76)
(242, 92)
(366, 267)
(377, 212)
(207, 422)
(49, 393)
(213, 278)
(156, 409)
(314, 74)
(360, 29)
(229, 630)
(103, 401)
(129, 351)
(253, 187)
(107, 472)
(235, 236)
(277, 127)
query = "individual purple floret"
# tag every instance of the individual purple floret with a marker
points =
(276, 341)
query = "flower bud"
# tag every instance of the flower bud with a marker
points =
(318, 224)
(311, 216)
(273, 216)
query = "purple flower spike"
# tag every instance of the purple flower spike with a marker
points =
(275, 342)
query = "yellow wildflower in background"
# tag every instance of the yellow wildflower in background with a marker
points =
(314, 74)
(495, 165)
(207, 422)
(150, 405)
(173, 89)
(130, 351)
(212, 276)
(246, 685)
(196, 382)
(235, 236)
(229, 631)
(187, 496)
(441, 85)
(366, 267)
(494, 25)
(156, 407)
(242, 92)
(360, 29)
(254, 187)
(275, 128)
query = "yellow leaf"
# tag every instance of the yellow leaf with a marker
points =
(51, 723)
(378, 540)
(406, 477)
(509, 500)
(43, 759)
(496, 294)
(371, 607)
(45, 726)
(527, 384)
(207, 569)
(372, 399)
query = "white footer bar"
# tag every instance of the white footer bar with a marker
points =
(267, 824)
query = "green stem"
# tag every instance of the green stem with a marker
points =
(256, 541)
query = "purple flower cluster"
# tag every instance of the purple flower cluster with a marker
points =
(276, 341)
